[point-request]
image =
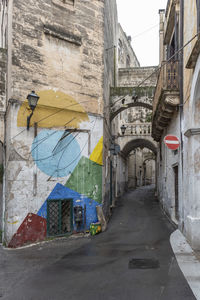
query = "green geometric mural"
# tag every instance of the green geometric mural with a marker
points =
(87, 179)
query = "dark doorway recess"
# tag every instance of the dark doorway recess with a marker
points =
(59, 217)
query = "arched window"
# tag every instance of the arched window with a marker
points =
(3, 22)
(128, 61)
(120, 50)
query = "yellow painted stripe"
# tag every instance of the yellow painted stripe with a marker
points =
(97, 154)
(55, 109)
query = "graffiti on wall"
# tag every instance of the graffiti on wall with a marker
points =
(57, 152)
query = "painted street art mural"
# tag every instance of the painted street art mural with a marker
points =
(56, 153)
(65, 161)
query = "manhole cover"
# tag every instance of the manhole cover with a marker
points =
(143, 263)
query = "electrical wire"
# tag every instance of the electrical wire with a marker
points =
(143, 81)
(52, 155)
(46, 137)
(159, 68)
(61, 109)
(76, 156)
(143, 32)
(167, 61)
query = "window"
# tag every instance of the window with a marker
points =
(120, 50)
(59, 217)
(128, 61)
(171, 48)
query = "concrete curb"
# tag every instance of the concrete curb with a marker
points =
(187, 261)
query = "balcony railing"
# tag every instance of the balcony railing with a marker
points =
(168, 80)
(138, 129)
(166, 98)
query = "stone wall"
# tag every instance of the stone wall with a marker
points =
(110, 79)
(1, 188)
(57, 51)
(186, 126)
(134, 76)
(3, 69)
(59, 45)
(126, 54)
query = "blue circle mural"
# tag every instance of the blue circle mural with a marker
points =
(56, 153)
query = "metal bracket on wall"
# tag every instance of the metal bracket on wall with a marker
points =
(83, 131)
(192, 131)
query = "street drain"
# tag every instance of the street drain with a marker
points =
(140, 263)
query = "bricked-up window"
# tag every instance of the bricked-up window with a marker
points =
(68, 1)
(198, 15)
(65, 3)
(3, 22)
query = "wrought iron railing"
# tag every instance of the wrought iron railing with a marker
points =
(168, 80)
(59, 217)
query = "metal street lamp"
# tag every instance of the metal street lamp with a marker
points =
(32, 102)
(134, 96)
(123, 129)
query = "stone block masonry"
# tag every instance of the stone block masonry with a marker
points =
(52, 37)
(57, 50)
(3, 66)
(134, 76)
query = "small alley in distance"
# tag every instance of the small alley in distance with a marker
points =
(99, 155)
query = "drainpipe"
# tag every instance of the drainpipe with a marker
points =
(181, 111)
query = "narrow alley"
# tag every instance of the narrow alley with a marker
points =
(133, 259)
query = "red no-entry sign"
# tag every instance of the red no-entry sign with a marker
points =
(172, 142)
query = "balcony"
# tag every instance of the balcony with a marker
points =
(166, 97)
(137, 129)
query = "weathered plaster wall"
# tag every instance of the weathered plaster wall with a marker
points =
(57, 51)
(36, 165)
(188, 162)
(191, 155)
(3, 70)
(58, 45)
(190, 25)
(1, 187)
(189, 201)
(167, 159)
(110, 79)
(3, 77)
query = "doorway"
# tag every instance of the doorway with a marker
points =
(59, 217)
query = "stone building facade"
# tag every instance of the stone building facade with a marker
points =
(58, 49)
(126, 54)
(135, 115)
(176, 112)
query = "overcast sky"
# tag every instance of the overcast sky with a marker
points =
(140, 20)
